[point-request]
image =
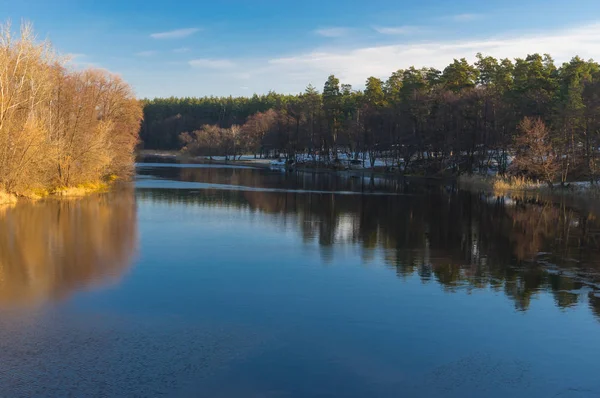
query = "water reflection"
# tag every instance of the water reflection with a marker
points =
(51, 249)
(460, 240)
(268, 180)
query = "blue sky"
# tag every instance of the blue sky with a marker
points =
(235, 47)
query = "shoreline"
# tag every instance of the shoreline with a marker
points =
(265, 164)
(491, 184)
(578, 195)
(78, 191)
(503, 186)
(7, 198)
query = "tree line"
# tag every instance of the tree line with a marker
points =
(468, 117)
(60, 127)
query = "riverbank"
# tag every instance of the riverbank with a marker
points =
(490, 184)
(81, 190)
(60, 192)
(152, 156)
(7, 198)
(516, 185)
(175, 156)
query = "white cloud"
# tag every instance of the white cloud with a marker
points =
(212, 63)
(355, 65)
(293, 72)
(333, 32)
(146, 53)
(181, 50)
(242, 76)
(398, 30)
(175, 34)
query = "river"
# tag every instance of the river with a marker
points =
(216, 281)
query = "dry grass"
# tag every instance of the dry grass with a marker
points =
(111, 178)
(65, 192)
(499, 184)
(80, 190)
(35, 193)
(515, 184)
(7, 198)
(522, 186)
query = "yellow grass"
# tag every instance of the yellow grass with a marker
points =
(499, 184)
(35, 193)
(80, 190)
(514, 184)
(111, 178)
(71, 192)
(7, 198)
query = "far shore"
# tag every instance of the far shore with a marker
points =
(263, 163)
(583, 193)
(512, 185)
(174, 156)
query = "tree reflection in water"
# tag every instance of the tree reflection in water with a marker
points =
(51, 249)
(459, 239)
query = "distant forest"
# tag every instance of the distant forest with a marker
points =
(466, 118)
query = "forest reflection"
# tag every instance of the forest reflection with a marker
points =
(255, 178)
(51, 249)
(460, 240)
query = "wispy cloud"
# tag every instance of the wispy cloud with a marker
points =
(355, 65)
(175, 34)
(242, 75)
(292, 72)
(398, 30)
(333, 32)
(209, 63)
(465, 17)
(148, 53)
(181, 50)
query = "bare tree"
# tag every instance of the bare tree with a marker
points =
(236, 140)
(535, 156)
(25, 88)
(59, 127)
(205, 141)
(257, 127)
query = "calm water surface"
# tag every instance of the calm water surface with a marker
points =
(235, 282)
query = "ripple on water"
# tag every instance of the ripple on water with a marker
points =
(71, 356)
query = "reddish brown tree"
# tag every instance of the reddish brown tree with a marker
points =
(535, 156)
